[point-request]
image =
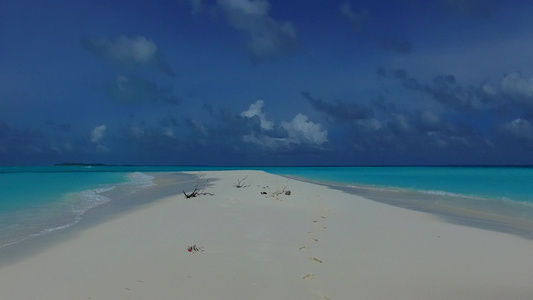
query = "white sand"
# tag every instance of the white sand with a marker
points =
(316, 243)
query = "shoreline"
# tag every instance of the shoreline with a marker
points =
(123, 201)
(259, 243)
(509, 217)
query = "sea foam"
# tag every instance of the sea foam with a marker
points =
(140, 180)
(66, 210)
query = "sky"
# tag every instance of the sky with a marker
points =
(266, 82)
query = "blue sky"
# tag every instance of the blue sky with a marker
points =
(266, 82)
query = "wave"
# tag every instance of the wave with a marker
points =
(422, 191)
(69, 210)
(141, 180)
(89, 199)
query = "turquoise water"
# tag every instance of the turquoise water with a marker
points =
(38, 200)
(501, 183)
(35, 201)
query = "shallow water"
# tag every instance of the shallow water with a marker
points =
(497, 199)
(501, 183)
(38, 200)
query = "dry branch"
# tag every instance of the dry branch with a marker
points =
(241, 183)
(197, 191)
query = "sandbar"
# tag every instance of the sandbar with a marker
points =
(274, 238)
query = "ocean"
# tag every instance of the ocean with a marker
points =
(35, 201)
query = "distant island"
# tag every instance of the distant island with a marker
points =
(78, 165)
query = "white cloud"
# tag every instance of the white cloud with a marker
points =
(489, 90)
(98, 133)
(516, 86)
(267, 36)
(135, 51)
(298, 131)
(356, 19)
(301, 130)
(256, 109)
(513, 88)
(519, 129)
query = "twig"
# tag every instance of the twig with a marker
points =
(197, 191)
(241, 183)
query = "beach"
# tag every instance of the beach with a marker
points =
(253, 235)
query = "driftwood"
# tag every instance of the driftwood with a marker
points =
(284, 191)
(241, 183)
(277, 193)
(197, 191)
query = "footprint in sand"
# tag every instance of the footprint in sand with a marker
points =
(311, 237)
(314, 259)
(309, 276)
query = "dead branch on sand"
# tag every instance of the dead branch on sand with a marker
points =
(197, 190)
(284, 191)
(241, 183)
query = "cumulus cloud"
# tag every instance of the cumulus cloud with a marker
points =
(131, 89)
(98, 133)
(443, 89)
(519, 129)
(517, 87)
(512, 93)
(256, 109)
(405, 131)
(301, 130)
(129, 52)
(269, 135)
(356, 19)
(267, 36)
